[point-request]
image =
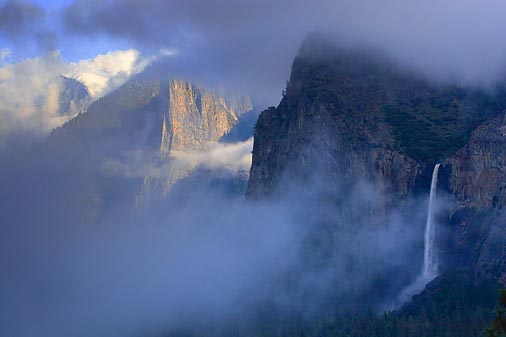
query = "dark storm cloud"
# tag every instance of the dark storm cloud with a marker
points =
(252, 43)
(16, 16)
(236, 42)
(21, 21)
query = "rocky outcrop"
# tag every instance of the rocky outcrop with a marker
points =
(197, 116)
(324, 146)
(350, 116)
(476, 178)
(165, 142)
(329, 125)
(478, 171)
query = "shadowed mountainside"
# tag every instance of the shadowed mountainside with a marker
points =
(350, 116)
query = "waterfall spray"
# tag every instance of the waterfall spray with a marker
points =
(430, 263)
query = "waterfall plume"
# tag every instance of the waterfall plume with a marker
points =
(430, 263)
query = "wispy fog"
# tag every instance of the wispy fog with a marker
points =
(235, 157)
(207, 258)
(77, 258)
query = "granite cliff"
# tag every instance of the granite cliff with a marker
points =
(355, 114)
(173, 114)
(195, 117)
(349, 115)
(477, 171)
(476, 178)
(152, 118)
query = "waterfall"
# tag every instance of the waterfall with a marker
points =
(430, 264)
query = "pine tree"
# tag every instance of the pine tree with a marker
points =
(498, 327)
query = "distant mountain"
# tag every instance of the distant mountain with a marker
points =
(74, 96)
(143, 111)
(151, 118)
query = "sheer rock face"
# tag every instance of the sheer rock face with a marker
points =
(331, 149)
(330, 128)
(478, 171)
(349, 117)
(196, 116)
(491, 260)
(352, 115)
(165, 142)
(476, 177)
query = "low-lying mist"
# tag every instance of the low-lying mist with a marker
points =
(209, 258)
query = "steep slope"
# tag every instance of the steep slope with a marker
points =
(361, 135)
(196, 116)
(116, 121)
(351, 115)
(476, 177)
(478, 170)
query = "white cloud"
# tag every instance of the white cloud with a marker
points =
(108, 71)
(27, 94)
(30, 88)
(235, 157)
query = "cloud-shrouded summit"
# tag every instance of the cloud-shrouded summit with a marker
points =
(461, 41)
(31, 95)
(250, 44)
(106, 72)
